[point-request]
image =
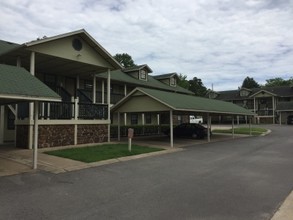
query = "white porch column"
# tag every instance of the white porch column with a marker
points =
(36, 132)
(31, 105)
(103, 92)
(280, 118)
(77, 82)
(125, 90)
(118, 118)
(158, 122)
(76, 114)
(250, 125)
(142, 122)
(233, 127)
(94, 89)
(109, 101)
(2, 117)
(273, 105)
(171, 129)
(125, 119)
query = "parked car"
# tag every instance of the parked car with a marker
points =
(189, 130)
(290, 120)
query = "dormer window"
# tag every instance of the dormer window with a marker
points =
(172, 81)
(213, 95)
(143, 75)
(244, 93)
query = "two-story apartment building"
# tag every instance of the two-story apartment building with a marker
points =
(271, 104)
(89, 81)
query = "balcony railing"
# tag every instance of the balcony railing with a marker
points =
(66, 110)
(265, 112)
(56, 110)
(92, 111)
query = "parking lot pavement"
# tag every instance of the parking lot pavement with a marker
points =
(246, 178)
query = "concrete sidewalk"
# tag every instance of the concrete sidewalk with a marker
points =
(16, 161)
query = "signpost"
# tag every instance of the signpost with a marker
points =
(130, 136)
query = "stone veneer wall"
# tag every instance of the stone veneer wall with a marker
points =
(56, 135)
(91, 134)
(22, 136)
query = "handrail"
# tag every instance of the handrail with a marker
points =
(83, 97)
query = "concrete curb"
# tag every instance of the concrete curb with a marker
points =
(285, 212)
(56, 170)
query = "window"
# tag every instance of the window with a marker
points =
(134, 119)
(172, 81)
(143, 74)
(244, 93)
(148, 118)
(213, 95)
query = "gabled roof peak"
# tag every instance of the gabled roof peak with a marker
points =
(137, 67)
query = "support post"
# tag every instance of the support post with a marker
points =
(94, 89)
(250, 126)
(233, 127)
(125, 90)
(109, 101)
(280, 118)
(171, 129)
(118, 118)
(273, 106)
(103, 92)
(31, 105)
(142, 122)
(36, 132)
(208, 127)
(2, 117)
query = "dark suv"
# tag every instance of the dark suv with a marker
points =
(290, 120)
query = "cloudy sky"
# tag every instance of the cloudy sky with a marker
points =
(218, 41)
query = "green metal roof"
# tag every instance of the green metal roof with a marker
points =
(120, 76)
(18, 84)
(6, 46)
(182, 102)
(165, 76)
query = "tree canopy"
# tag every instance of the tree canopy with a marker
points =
(124, 59)
(182, 81)
(278, 81)
(197, 87)
(250, 83)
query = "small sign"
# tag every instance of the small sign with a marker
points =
(130, 136)
(130, 132)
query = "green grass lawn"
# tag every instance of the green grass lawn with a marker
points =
(101, 152)
(242, 130)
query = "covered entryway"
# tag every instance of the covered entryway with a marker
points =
(18, 85)
(144, 100)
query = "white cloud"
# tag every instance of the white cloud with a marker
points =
(220, 41)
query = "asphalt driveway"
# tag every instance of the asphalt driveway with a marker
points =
(245, 178)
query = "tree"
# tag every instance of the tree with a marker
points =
(124, 59)
(278, 82)
(182, 81)
(250, 83)
(196, 86)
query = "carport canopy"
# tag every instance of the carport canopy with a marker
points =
(151, 100)
(18, 85)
